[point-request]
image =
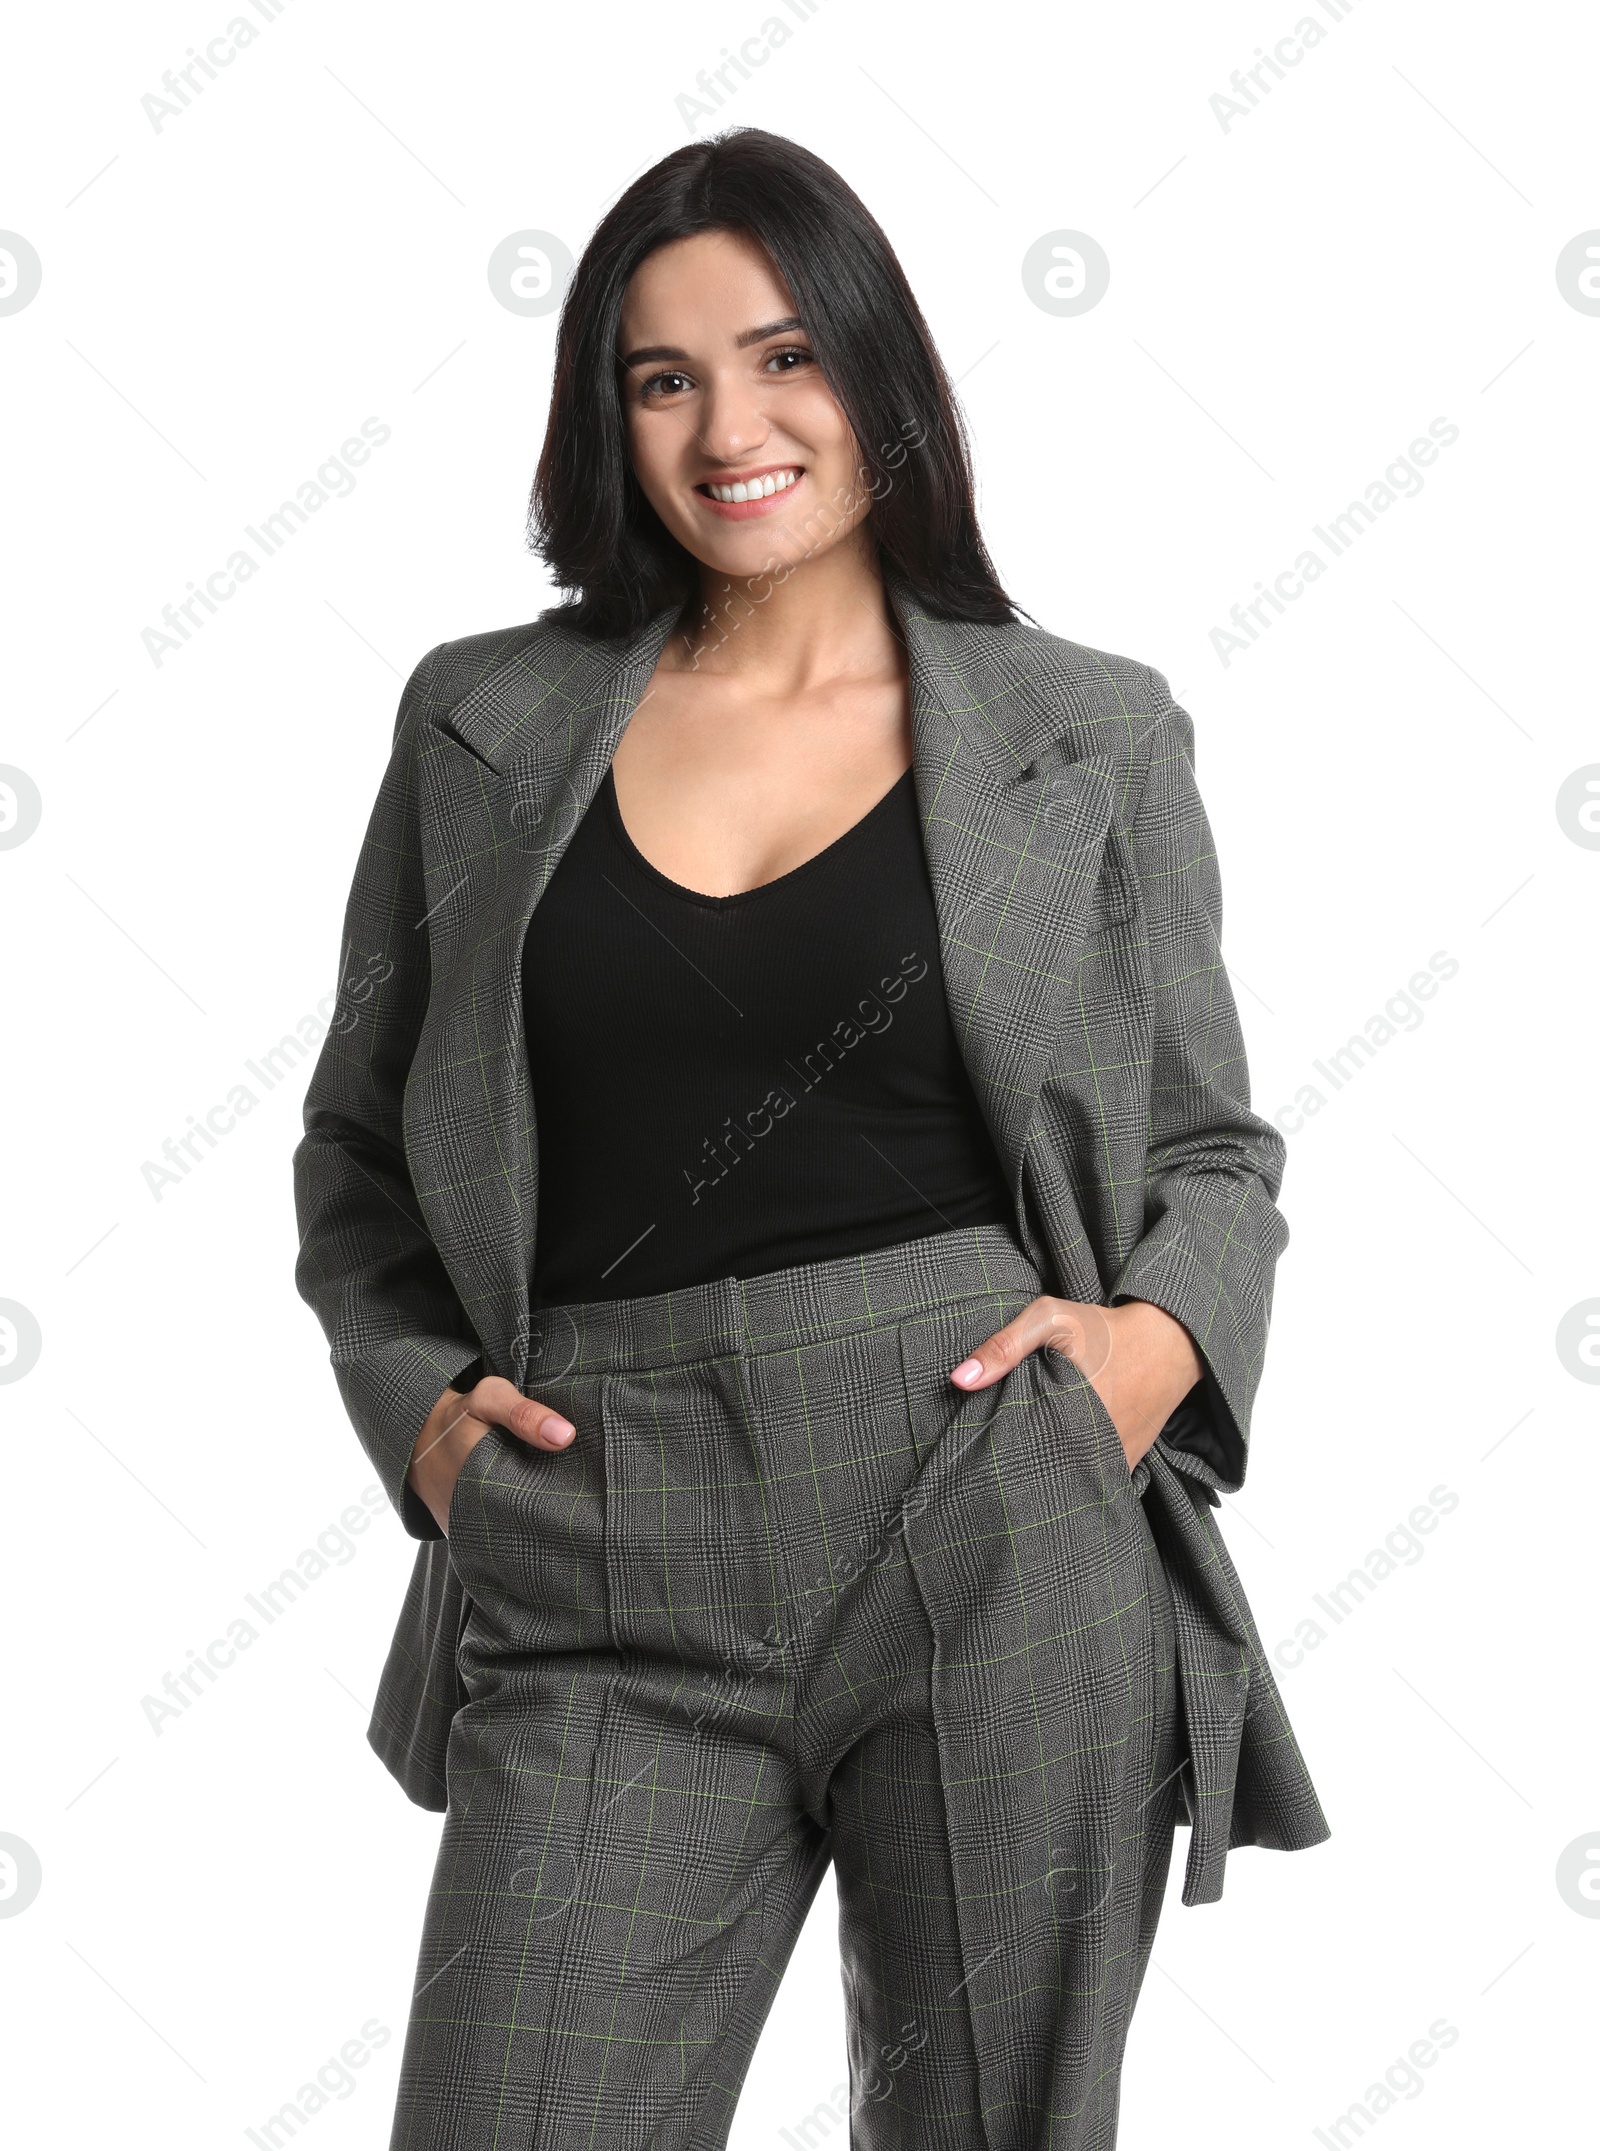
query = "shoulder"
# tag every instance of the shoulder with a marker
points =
(1068, 700)
(453, 670)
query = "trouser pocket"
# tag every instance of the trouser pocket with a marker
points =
(527, 1535)
(1082, 1407)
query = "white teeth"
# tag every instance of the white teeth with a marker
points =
(755, 488)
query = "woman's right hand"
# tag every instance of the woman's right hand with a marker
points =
(456, 1425)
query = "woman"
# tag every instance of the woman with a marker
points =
(782, 1196)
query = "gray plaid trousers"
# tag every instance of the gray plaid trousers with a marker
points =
(790, 1596)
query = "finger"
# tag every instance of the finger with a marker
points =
(503, 1405)
(1043, 1321)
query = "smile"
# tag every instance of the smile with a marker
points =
(748, 496)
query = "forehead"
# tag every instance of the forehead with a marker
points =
(717, 283)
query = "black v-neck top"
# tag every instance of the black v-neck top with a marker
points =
(726, 1085)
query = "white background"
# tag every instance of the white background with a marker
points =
(1293, 299)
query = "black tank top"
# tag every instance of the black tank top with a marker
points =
(726, 1085)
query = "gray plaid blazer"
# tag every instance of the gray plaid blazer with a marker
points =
(1079, 911)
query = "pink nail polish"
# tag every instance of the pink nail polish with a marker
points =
(554, 1429)
(968, 1371)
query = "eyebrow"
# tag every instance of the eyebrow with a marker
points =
(648, 353)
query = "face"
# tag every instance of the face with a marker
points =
(737, 441)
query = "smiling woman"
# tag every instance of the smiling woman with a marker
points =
(817, 309)
(991, 1304)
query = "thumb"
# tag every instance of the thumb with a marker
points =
(498, 1401)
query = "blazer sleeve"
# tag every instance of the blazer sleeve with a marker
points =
(397, 1332)
(1212, 1229)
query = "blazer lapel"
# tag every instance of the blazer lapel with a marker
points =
(514, 767)
(1014, 829)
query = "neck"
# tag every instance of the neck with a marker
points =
(827, 618)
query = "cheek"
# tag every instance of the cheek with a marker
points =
(654, 447)
(816, 421)
(643, 449)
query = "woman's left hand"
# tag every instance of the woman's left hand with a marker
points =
(1140, 1360)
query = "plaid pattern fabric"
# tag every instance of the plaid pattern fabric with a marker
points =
(1079, 911)
(790, 1595)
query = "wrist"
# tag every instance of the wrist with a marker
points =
(1159, 1338)
(433, 1440)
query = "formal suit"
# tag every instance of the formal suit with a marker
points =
(1079, 910)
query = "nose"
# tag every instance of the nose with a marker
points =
(733, 422)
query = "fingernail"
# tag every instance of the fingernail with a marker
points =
(554, 1429)
(968, 1371)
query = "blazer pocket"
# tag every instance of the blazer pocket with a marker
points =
(458, 753)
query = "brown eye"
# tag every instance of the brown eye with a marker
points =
(655, 385)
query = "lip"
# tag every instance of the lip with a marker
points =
(742, 511)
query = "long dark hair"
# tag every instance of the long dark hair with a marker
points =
(588, 519)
